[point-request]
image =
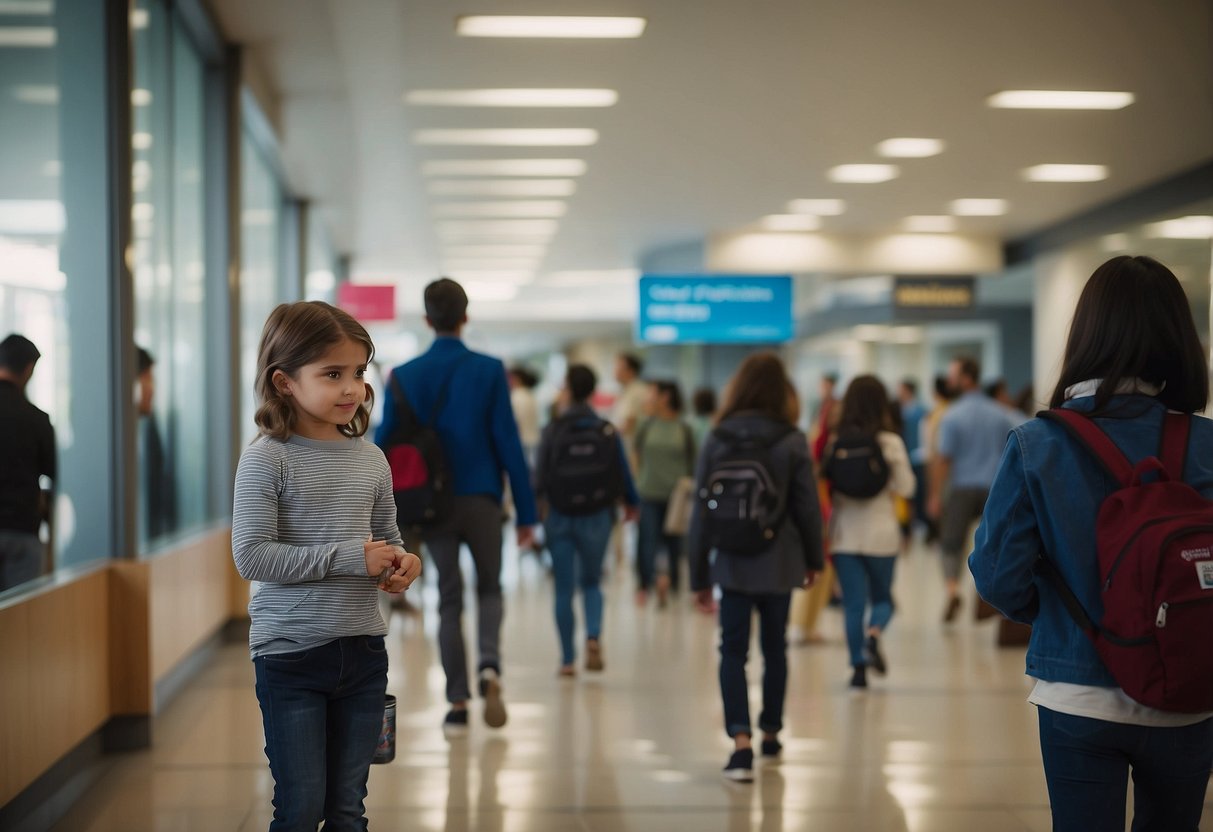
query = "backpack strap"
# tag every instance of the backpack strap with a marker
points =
(444, 390)
(1090, 436)
(1050, 573)
(1173, 446)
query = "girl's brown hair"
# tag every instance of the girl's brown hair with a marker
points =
(865, 407)
(761, 384)
(297, 334)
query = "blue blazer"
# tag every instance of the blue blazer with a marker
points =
(476, 426)
(1045, 499)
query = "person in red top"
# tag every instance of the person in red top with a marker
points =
(826, 415)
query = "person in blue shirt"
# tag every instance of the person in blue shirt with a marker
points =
(912, 414)
(972, 435)
(481, 445)
(1133, 354)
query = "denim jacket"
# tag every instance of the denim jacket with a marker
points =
(1044, 500)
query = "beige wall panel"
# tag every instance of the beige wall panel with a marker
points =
(190, 598)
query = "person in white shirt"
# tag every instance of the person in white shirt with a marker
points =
(865, 535)
(526, 409)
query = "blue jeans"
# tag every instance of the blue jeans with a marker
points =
(322, 710)
(1087, 763)
(651, 538)
(864, 578)
(578, 544)
(736, 612)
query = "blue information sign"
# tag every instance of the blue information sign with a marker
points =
(715, 309)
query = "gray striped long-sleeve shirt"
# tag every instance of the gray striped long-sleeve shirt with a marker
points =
(303, 509)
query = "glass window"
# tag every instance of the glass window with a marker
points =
(170, 278)
(260, 267)
(320, 270)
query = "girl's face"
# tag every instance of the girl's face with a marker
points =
(327, 393)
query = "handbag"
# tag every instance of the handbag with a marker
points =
(678, 511)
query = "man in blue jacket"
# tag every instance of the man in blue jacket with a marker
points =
(480, 440)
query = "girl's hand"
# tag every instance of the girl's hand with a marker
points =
(380, 555)
(408, 569)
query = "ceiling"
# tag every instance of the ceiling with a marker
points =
(726, 112)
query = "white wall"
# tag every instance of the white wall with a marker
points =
(1059, 281)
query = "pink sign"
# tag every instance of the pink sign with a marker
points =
(368, 303)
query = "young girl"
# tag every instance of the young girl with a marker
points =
(1132, 357)
(314, 526)
(759, 414)
(865, 534)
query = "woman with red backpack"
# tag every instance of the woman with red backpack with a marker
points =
(1097, 533)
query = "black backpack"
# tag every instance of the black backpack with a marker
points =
(584, 468)
(855, 465)
(421, 478)
(744, 499)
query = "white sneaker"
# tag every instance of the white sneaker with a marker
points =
(490, 688)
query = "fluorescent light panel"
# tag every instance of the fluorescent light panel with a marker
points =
(497, 275)
(141, 141)
(791, 222)
(863, 174)
(504, 167)
(532, 208)
(501, 250)
(1184, 228)
(910, 148)
(1065, 173)
(592, 277)
(509, 137)
(29, 8)
(978, 207)
(818, 207)
(141, 98)
(27, 36)
(1061, 100)
(513, 98)
(525, 228)
(939, 224)
(502, 187)
(489, 292)
(493, 264)
(522, 26)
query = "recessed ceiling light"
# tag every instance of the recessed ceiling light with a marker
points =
(493, 275)
(910, 148)
(979, 207)
(504, 167)
(791, 222)
(504, 228)
(36, 93)
(500, 250)
(510, 137)
(139, 18)
(141, 141)
(521, 26)
(863, 174)
(940, 224)
(502, 187)
(514, 98)
(492, 264)
(1184, 228)
(592, 277)
(519, 208)
(1061, 100)
(29, 8)
(483, 291)
(817, 207)
(141, 98)
(27, 36)
(1065, 173)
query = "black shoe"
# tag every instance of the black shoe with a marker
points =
(740, 768)
(456, 723)
(950, 612)
(871, 652)
(771, 748)
(859, 679)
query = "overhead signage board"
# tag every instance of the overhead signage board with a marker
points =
(715, 309)
(934, 296)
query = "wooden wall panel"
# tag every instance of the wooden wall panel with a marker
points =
(54, 649)
(130, 664)
(189, 598)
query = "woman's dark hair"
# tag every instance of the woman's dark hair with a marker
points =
(865, 407)
(943, 389)
(633, 362)
(526, 377)
(1133, 321)
(297, 334)
(672, 392)
(581, 382)
(761, 384)
(446, 305)
(704, 401)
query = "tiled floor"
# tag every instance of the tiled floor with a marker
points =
(946, 742)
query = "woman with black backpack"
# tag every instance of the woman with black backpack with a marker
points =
(867, 468)
(756, 533)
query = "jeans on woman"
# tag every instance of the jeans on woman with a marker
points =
(322, 710)
(864, 578)
(736, 613)
(1087, 763)
(651, 539)
(578, 544)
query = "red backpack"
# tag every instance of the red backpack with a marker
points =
(1154, 541)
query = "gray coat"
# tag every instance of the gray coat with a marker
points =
(797, 547)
